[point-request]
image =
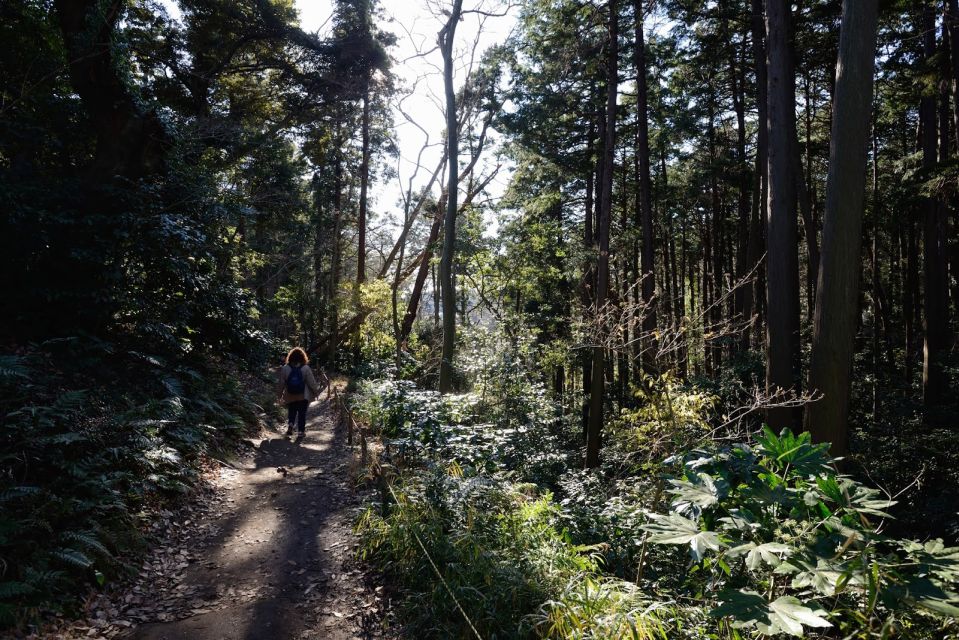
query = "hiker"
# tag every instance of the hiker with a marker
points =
(296, 388)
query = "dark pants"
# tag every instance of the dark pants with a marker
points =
(296, 413)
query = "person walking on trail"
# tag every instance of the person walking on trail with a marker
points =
(296, 388)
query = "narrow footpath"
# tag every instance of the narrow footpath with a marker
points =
(270, 555)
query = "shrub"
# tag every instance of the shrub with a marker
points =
(779, 541)
(498, 548)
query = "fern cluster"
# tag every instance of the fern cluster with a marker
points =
(81, 468)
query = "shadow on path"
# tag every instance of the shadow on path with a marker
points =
(279, 565)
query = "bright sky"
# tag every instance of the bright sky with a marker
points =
(418, 65)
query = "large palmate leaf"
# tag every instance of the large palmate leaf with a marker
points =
(795, 452)
(789, 615)
(927, 594)
(825, 578)
(770, 553)
(935, 558)
(853, 496)
(699, 492)
(785, 614)
(676, 529)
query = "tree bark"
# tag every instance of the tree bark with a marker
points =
(935, 294)
(446, 39)
(756, 294)
(364, 186)
(131, 142)
(834, 330)
(424, 269)
(782, 288)
(594, 432)
(647, 254)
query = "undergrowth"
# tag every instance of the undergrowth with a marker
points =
(94, 439)
(777, 542)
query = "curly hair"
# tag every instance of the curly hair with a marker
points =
(297, 356)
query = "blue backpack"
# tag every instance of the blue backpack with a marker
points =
(295, 384)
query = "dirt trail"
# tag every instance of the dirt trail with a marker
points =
(278, 563)
(267, 552)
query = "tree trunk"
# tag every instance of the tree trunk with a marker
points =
(424, 269)
(756, 294)
(446, 39)
(336, 259)
(131, 142)
(935, 292)
(782, 288)
(602, 262)
(834, 330)
(647, 254)
(364, 187)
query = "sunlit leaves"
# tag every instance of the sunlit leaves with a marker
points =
(785, 614)
(675, 529)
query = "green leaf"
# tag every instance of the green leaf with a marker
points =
(796, 452)
(698, 493)
(13, 589)
(74, 558)
(675, 529)
(771, 553)
(786, 614)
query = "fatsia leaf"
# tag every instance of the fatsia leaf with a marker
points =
(771, 553)
(794, 451)
(785, 614)
(697, 494)
(927, 594)
(676, 529)
(788, 615)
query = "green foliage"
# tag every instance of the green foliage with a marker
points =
(80, 469)
(594, 608)
(426, 425)
(499, 550)
(779, 541)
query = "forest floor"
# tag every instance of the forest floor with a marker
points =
(266, 551)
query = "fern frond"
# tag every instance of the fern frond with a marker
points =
(13, 493)
(73, 558)
(11, 589)
(12, 367)
(89, 541)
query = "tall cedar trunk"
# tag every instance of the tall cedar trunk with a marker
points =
(782, 288)
(952, 26)
(447, 36)
(586, 288)
(647, 259)
(336, 259)
(834, 331)
(756, 293)
(602, 262)
(364, 186)
(935, 292)
(319, 244)
(684, 337)
(737, 75)
(910, 294)
(714, 255)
